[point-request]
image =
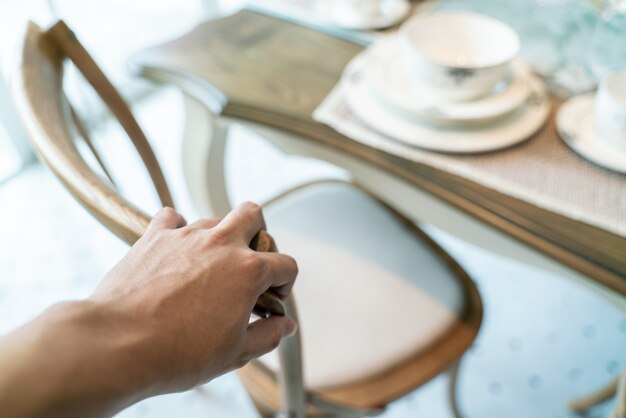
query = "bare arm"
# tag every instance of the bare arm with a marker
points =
(173, 313)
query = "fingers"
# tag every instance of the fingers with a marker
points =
(278, 272)
(166, 218)
(264, 335)
(244, 222)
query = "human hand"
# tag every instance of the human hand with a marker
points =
(173, 313)
(185, 295)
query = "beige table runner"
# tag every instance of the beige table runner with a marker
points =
(542, 171)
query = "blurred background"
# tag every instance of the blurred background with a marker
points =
(51, 250)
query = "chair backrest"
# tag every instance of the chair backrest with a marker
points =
(54, 127)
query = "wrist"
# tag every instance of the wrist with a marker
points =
(103, 360)
(78, 358)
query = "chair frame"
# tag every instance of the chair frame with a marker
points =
(204, 145)
(368, 397)
(54, 127)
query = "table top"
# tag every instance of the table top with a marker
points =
(270, 71)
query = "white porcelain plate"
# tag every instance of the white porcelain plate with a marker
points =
(342, 15)
(576, 125)
(502, 133)
(385, 70)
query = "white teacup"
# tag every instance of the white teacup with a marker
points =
(458, 56)
(610, 110)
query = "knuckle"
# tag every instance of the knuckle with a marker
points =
(184, 232)
(253, 262)
(251, 207)
(293, 265)
(252, 210)
(167, 212)
(218, 236)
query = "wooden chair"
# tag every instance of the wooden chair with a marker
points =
(615, 388)
(382, 308)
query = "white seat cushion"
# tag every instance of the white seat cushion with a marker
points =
(370, 292)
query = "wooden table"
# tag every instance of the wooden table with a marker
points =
(257, 69)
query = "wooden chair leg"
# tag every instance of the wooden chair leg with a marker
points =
(266, 412)
(263, 411)
(603, 394)
(620, 407)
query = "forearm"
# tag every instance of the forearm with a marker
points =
(172, 314)
(73, 360)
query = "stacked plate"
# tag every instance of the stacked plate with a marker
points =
(594, 124)
(381, 89)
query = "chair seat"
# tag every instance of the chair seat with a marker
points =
(371, 292)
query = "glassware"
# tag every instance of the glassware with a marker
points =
(608, 45)
(571, 43)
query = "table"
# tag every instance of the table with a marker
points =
(272, 74)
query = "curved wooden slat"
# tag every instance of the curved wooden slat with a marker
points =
(41, 104)
(84, 134)
(47, 115)
(66, 41)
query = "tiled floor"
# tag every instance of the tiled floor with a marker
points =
(544, 339)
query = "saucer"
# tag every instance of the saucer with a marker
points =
(392, 12)
(385, 71)
(503, 133)
(576, 125)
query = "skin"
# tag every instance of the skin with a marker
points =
(173, 313)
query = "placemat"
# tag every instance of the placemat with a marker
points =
(542, 171)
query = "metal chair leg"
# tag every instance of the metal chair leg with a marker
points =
(453, 389)
(291, 377)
